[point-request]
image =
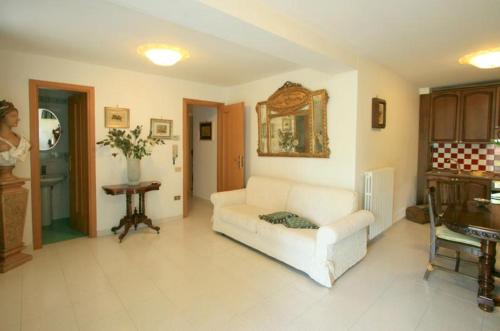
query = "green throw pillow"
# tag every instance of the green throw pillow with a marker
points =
(297, 222)
(277, 218)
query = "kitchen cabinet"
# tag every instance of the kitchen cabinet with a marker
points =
(477, 115)
(445, 108)
(471, 186)
(465, 114)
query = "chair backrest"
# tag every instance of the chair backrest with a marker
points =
(433, 215)
(449, 192)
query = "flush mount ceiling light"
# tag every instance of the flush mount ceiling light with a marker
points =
(162, 55)
(486, 59)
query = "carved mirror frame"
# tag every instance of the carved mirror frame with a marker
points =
(293, 99)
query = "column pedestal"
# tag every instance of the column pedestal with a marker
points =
(13, 204)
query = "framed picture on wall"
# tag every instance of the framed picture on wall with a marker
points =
(206, 131)
(161, 129)
(116, 118)
(286, 123)
(379, 109)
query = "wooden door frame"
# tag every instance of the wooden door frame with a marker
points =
(186, 138)
(36, 208)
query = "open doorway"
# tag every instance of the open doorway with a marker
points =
(203, 151)
(62, 161)
(228, 138)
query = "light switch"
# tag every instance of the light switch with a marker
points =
(175, 153)
(178, 169)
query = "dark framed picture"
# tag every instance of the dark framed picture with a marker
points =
(161, 129)
(116, 118)
(206, 131)
(286, 123)
(379, 113)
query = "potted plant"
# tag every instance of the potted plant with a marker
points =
(133, 147)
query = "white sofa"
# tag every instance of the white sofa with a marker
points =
(324, 254)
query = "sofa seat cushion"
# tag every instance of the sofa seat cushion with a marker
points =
(243, 216)
(302, 240)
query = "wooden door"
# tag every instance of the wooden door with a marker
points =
(78, 170)
(233, 147)
(477, 115)
(445, 107)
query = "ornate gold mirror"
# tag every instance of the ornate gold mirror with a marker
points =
(292, 122)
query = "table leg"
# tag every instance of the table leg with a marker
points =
(127, 227)
(126, 220)
(142, 203)
(486, 282)
(123, 221)
(129, 204)
(136, 219)
(149, 223)
(142, 213)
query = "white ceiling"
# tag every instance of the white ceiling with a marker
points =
(104, 33)
(421, 40)
(236, 41)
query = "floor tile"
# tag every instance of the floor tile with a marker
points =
(190, 278)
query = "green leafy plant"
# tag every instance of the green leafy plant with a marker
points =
(130, 143)
(287, 140)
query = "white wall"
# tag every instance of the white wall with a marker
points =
(204, 154)
(339, 169)
(396, 145)
(147, 96)
(355, 146)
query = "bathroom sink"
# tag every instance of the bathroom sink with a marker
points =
(47, 183)
(51, 180)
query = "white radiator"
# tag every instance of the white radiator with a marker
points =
(379, 193)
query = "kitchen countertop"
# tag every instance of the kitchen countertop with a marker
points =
(465, 174)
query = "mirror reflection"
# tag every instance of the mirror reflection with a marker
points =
(49, 129)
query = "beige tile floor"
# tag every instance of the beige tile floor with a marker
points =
(189, 278)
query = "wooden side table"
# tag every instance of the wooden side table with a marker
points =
(133, 218)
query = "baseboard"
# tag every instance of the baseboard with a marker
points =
(399, 215)
(107, 232)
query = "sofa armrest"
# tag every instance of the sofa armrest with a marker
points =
(335, 232)
(221, 199)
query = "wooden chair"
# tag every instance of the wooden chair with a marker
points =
(441, 236)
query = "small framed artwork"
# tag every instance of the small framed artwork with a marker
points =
(286, 123)
(161, 129)
(116, 118)
(379, 109)
(206, 131)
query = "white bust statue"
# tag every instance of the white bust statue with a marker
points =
(12, 146)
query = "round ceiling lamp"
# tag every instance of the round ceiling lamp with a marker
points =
(162, 55)
(486, 59)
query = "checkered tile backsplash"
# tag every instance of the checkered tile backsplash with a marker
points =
(482, 157)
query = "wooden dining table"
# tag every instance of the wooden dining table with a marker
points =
(480, 221)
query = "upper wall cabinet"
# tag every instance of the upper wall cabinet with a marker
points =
(463, 115)
(445, 108)
(477, 114)
(292, 122)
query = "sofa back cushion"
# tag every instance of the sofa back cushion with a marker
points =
(266, 192)
(322, 205)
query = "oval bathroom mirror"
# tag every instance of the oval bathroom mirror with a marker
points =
(49, 129)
